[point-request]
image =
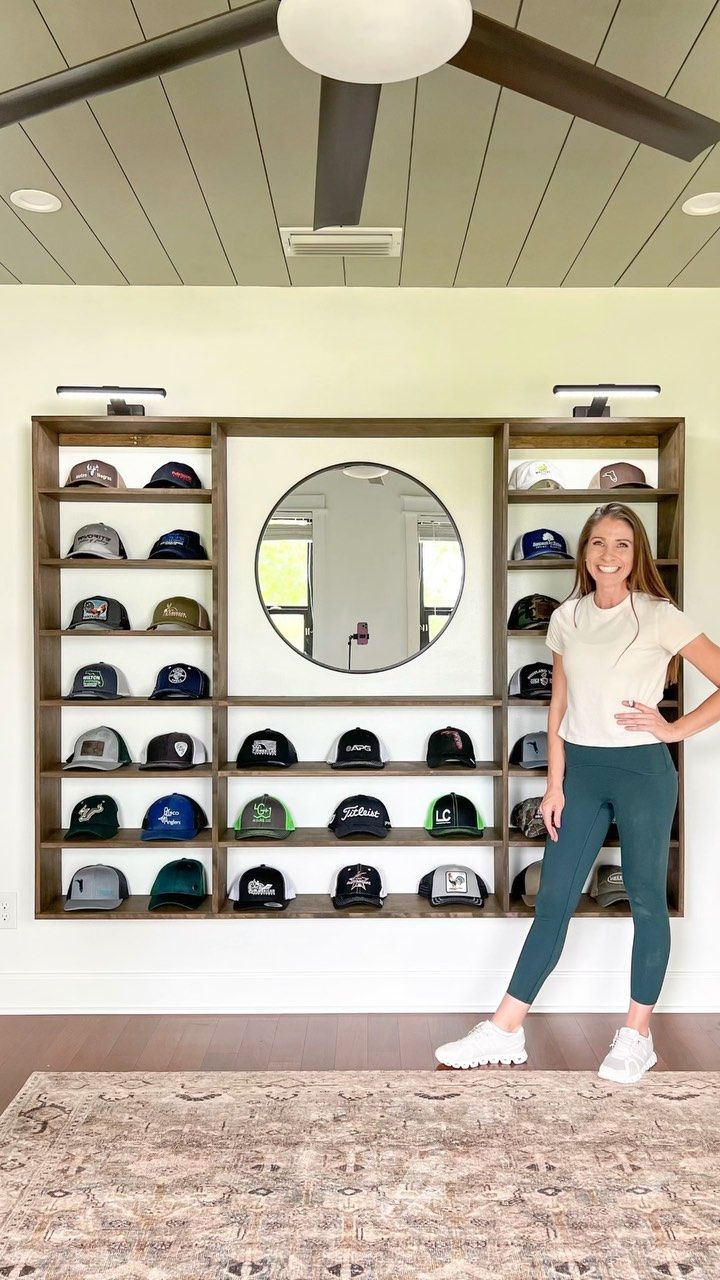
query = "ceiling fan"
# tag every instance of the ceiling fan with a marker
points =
(356, 46)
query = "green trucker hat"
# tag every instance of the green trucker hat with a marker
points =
(179, 613)
(179, 884)
(453, 815)
(264, 818)
(95, 816)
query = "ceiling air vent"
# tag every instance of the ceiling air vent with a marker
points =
(346, 242)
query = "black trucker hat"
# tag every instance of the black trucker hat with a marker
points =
(267, 748)
(360, 816)
(453, 815)
(99, 613)
(534, 680)
(357, 749)
(531, 751)
(358, 886)
(450, 746)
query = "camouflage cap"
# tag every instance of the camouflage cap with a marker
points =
(532, 613)
(526, 816)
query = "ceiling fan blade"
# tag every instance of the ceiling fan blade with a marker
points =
(517, 61)
(345, 134)
(229, 31)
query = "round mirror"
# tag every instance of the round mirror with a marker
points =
(359, 567)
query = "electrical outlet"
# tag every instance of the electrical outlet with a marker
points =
(8, 911)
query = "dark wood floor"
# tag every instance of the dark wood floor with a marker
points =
(319, 1042)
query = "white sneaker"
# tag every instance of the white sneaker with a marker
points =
(630, 1056)
(483, 1044)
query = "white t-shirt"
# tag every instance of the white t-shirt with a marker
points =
(599, 679)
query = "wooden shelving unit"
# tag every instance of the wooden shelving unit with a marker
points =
(549, 436)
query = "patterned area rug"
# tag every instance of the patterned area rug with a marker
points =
(361, 1176)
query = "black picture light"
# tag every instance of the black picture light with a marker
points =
(117, 405)
(601, 392)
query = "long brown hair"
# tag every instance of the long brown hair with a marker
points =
(643, 575)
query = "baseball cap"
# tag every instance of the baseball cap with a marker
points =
(94, 472)
(268, 748)
(450, 746)
(99, 680)
(619, 475)
(173, 817)
(101, 748)
(174, 475)
(450, 884)
(99, 613)
(608, 885)
(530, 751)
(360, 816)
(94, 816)
(179, 884)
(174, 751)
(535, 475)
(534, 680)
(261, 889)
(453, 815)
(96, 888)
(97, 542)
(264, 818)
(357, 749)
(178, 544)
(180, 680)
(526, 816)
(540, 542)
(357, 885)
(526, 884)
(179, 613)
(532, 613)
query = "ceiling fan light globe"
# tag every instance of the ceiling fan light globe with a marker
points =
(373, 41)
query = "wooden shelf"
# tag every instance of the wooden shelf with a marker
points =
(129, 838)
(184, 496)
(396, 906)
(393, 769)
(517, 771)
(99, 563)
(549, 562)
(127, 771)
(47, 633)
(516, 840)
(397, 838)
(526, 631)
(594, 497)
(587, 907)
(133, 908)
(367, 700)
(126, 702)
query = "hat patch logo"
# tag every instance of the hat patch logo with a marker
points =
(257, 887)
(85, 813)
(180, 475)
(177, 675)
(95, 610)
(92, 747)
(456, 882)
(359, 811)
(611, 474)
(170, 817)
(615, 878)
(264, 747)
(442, 816)
(180, 749)
(359, 882)
(455, 736)
(358, 746)
(262, 812)
(93, 680)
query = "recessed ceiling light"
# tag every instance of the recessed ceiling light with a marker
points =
(700, 206)
(35, 201)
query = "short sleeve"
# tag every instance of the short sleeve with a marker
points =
(555, 639)
(674, 628)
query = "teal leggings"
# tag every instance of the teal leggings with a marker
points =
(637, 786)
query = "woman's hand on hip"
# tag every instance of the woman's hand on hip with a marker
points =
(551, 807)
(642, 719)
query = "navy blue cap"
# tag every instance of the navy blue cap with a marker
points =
(173, 817)
(174, 475)
(360, 815)
(541, 542)
(180, 680)
(178, 544)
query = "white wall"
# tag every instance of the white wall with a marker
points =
(351, 353)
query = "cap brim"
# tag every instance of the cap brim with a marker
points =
(102, 904)
(189, 900)
(533, 693)
(89, 832)
(361, 830)
(168, 764)
(97, 694)
(167, 484)
(456, 831)
(532, 626)
(103, 766)
(440, 761)
(459, 901)
(174, 834)
(544, 484)
(528, 764)
(548, 555)
(357, 900)
(249, 834)
(95, 626)
(529, 902)
(607, 900)
(90, 484)
(263, 763)
(357, 764)
(629, 484)
(168, 695)
(173, 555)
(93, 555)
(173, 626)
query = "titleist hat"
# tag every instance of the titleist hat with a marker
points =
(360, 816)
(453, 815)
(608, 885)
(357, 886)
(179, 884)
(526, 884)
(264, 818)
(450, 885)
(173, 817)
(174, 475)
(180, 680)
(94, 473)
(174, 751)
(95, 817)
(357, 749)
(178, 544)
(534, 680)
(538, 543)
(99, 680)
(99, 613)
(526, 816)
(268, 748)
(450, 746)
(96, 888)
(532, 613)
(530, 751)
(97, 542)
(261, 889)
(534, 475)
(101, 748)
(619, 475)
(179, 613)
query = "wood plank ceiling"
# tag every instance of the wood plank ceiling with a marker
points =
(186, 179)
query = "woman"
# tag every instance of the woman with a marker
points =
(612, 641)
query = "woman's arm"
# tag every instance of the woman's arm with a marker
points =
(553, 801)
(704, 655)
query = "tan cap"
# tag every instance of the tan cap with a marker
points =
(619, 475)
(179, 613)
(94, 473)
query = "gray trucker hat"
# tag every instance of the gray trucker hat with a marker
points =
(101, 748)
(96, 888)
(451, 884)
